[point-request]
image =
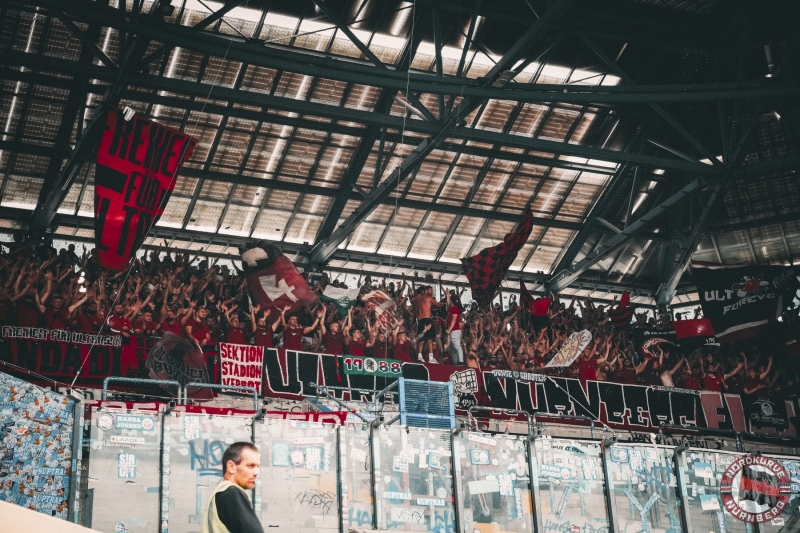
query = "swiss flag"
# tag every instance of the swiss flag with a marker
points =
(273, 280)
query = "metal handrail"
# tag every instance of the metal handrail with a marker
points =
(499, 410)
(711, 432)
(568, 417)
(140, 381)
(336, 400)
(215, 386)
(749, 436)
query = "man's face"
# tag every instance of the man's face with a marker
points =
(245, 473)
(202, 312)
(147, 317)
(170, 316)
(357, 335)
(118, 309)
(57, 303)
(335, 327)
(293, 321)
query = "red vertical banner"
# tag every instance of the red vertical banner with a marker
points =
(137, 164)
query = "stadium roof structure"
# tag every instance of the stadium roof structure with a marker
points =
(390, 136)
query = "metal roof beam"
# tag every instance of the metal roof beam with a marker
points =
(88, 42)
(564, 278)
(325, 247)
(359, 158)
(328, 10)
(390, 121)
(656, 107)
(352, 70)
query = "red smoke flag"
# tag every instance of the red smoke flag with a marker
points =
(273, 280)
(622, 314)
(487, 269)
(137, 164)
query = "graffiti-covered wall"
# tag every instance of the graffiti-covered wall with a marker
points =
(36, 431)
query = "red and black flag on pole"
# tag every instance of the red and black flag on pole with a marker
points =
(487, 269)
(137, 165)
(622, 314)
(759, 486)
(536, 307)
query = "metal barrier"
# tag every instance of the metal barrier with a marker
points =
(569, 417)
(456, 486)
(214, 386)
(141, 381)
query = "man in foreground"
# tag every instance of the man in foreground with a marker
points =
(230, 509)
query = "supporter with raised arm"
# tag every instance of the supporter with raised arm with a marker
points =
(755, 380)
(293, 332)
(263, 331)
(423, 304)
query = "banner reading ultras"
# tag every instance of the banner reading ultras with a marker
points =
(137, 164)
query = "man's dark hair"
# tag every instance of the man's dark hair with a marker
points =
(234, 453)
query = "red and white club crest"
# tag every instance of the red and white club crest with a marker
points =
(755, 489)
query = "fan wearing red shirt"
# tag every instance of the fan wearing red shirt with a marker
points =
(454, 327)
(145, 325)
(262, 332)
(235, 333)
(118, 324)
(403, 347)
(714, 379)
(170, 323)
(293, 332)
(333, 339)
(192, 325)
(380, 347)
(90, 320)
(356, 344)
(587, 370)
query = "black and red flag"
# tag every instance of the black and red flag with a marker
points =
(742, 301)
(621, 315)
(137, 165)
(759, 486)
(273, 280)
(536, 307)
(487, 269)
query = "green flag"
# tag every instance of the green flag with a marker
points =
(341, 298)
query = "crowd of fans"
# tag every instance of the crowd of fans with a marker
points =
(208, 303)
